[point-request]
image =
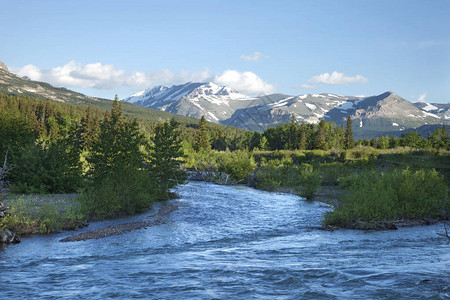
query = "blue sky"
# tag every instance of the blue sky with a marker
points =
(102, 48)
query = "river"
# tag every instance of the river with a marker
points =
(232, 242)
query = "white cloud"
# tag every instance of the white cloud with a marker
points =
(255, 56)
(244, 82)
(31, 71)
(101, 76)
(108, 77)
(337, 78)
(306, 86)
(422, 97)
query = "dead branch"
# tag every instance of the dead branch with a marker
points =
(444, 234)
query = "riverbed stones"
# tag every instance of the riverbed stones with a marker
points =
(160, 218)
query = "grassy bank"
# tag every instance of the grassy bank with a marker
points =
(43, 213)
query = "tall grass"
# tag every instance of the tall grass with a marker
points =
(28, 216)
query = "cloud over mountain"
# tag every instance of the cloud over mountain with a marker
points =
(244, 82)
(337, 78)
(107, 76)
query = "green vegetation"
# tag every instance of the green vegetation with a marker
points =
(42, 215)
(394, 195)
(119, 165)
(109, 161)
(164, 157)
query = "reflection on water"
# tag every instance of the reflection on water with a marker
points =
(232, 242)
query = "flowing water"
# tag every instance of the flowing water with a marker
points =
(232, 242)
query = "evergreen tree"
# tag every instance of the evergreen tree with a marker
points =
(89, 128)
(303, 140)
(320, 142)
(118, 183)
(349, 143)
(201, 137)
(164, 157)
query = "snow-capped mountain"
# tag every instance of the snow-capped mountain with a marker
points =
(439, 109)
(193, 99)
(372, 116)
(387, 112)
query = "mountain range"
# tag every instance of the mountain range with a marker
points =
(387, 113)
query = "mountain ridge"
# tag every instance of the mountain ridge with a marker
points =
(386, 112)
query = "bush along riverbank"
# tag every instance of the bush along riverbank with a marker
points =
(368, 188)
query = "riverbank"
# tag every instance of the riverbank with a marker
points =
(160, 218)
(373, 190)
(30, 214)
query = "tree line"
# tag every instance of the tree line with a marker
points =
(107, 158)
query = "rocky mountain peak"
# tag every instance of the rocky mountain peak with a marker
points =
(3, 66)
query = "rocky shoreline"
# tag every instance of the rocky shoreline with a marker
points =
(160, 218)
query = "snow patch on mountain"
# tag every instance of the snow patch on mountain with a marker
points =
(311, 106)
(429, 107)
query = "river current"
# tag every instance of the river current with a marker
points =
(232, 242)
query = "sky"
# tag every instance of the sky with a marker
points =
(102, 48)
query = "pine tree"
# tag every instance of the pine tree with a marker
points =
(89, 128)
(320, 142)
(201, 136)
(165, 154)
(302, 140)
(349, 143)
(118, 184)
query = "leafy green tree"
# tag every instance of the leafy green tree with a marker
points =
(165, 154)
(412, 139)
(263, 143)
(201, 136)
(383, 142)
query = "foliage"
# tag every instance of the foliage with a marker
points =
(117, 183)
(28, 216)
(165, 154)
(238, 164)
(394, 195)
(348, 138)
(201, 136)
(15, 133)
(51, 168)
(309, 181)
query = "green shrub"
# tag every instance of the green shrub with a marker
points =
(309, 180)
(239, 164)
(397, 194)
(269, 178)
(119, 194)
